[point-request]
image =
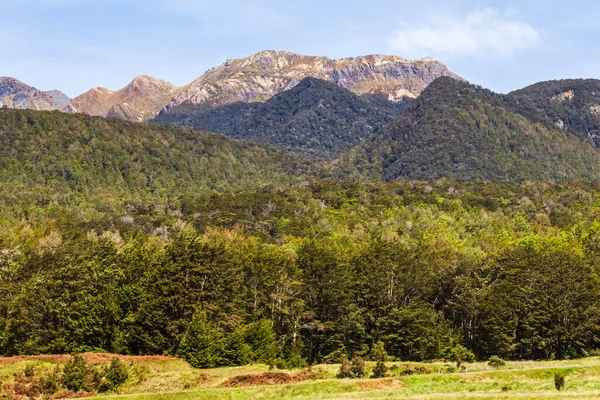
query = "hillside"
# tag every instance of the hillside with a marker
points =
(460, 131)
(138, 101)
(48, 157)
(571, 105)
(316, 118)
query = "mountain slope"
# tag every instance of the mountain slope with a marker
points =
(48, 154)
(265, 74)
(139, 101)
(456, 130)
(572, 105)
(316, 118)
(16, 94)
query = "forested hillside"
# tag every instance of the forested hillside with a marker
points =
(52, 161)
(316, 118)
(571, 104)
(457, 130)
(312, 271)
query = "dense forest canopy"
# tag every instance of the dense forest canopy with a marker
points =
(51, 161)
(151, 239)
(570, 104)
(310, 271)
(461, 131)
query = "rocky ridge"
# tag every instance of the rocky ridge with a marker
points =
(263, 75)
(139, 101)
(16, 94)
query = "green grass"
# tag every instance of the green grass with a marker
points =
(156, 378)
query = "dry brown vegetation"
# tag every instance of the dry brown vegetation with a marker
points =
(269, 378)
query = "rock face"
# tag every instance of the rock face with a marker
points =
(61, 100)
(139, 101)
(16, 94)
(263, 75)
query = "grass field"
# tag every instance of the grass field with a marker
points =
(158, 378)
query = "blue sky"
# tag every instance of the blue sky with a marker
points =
(73, 45)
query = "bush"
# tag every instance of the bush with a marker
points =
(51, 383)
(74, 374)
(29, 371)
(358, 367)
(380, 370)
(460, 354)
(378, 352)
(559, 381)
(496, 362)
(345, 368)
(114, 376)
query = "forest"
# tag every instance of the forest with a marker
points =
(308, 272)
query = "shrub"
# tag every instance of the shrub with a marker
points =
(358, 367)
(380, 370)
(29, 371)
(74, 374)
(345, 368)
(496, 362)
(51, 383)
(378, 352)
(559, 381)
(114, 376)
(460, 354)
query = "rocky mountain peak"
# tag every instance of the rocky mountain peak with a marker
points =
(267, 73)
(16, 94)
(140, 100)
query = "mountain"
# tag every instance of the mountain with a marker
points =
(263, 75)
(139, 101)
(48, 157)
(61, 100)
(572, 105)
(316, 118)
(16, 94)
(460, 131)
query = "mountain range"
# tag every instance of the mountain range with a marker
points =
(372, 117)
(461, 131)
(316, 118)
(253, 79)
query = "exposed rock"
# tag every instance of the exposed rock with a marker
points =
(263, 75)
(16, 94)
(139, 101)
(568, 95)
(61, 100)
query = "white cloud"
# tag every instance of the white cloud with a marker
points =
(484, 32)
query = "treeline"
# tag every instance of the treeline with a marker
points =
(313, 272)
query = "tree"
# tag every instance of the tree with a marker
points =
(203, 343)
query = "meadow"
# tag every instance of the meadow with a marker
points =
(165, 378)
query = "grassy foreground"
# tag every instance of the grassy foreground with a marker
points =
(166, 378)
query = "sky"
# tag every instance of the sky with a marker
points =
(74, 45)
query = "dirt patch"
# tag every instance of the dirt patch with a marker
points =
(269, 378)
(367, 386)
